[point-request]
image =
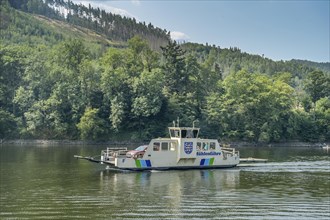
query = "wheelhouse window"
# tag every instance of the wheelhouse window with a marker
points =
(212, 146)
(189, 133)
(184, 133)
(164, 146)
(199, 146)
(195, 133)
(156, 146)
(205, 146)
(173, 146)
(175, 133)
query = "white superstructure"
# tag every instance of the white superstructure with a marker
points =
(183, 150)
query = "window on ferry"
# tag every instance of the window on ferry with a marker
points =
(164, 146)
(156, 146)
(172, 146)
(199, 146)
(187, 133)
(175, 133)
(195, 133)
(172, 132)
(183, 133)
(190, 134)
(212, 146)
(205, 146)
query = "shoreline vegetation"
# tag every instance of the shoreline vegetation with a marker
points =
(137, 143)
(58, 84)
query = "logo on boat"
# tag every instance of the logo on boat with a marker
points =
(188, 147)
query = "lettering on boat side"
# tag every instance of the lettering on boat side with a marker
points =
(208, 153)
(188, 147)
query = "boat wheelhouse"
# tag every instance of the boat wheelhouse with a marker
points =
(182, 150)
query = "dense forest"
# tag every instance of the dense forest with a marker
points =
(64, 79)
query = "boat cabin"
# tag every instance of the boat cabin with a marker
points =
(183, 132)
(190, 146)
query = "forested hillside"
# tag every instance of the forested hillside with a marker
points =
(321, 66)
(114, 27)
(61, 80)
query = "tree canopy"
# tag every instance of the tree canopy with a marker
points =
(64, 89)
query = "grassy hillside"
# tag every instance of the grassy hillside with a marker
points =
(19, 27)
(113, 26)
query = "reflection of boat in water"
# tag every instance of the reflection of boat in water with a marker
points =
(174, 182)
(183, 150)
(157, 193)
(326, 146)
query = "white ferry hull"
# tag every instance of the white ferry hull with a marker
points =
(183, 150)
(168, 162)
(175, 168)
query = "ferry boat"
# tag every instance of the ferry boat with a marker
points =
(183, 150)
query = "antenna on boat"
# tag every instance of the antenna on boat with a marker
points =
(178, 122)
(173, 123)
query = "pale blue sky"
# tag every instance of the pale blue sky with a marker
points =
(281, 30)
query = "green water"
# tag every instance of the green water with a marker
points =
(39, 182)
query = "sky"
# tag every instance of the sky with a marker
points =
(278, 29)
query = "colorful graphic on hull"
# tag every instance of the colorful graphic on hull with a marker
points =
(142, 163)
(207, 162)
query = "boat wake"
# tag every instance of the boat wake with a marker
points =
(292, 166)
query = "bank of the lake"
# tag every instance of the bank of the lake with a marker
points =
(277, 144)
(137, 143)
(31, 142)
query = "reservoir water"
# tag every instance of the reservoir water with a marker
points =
(47, 182)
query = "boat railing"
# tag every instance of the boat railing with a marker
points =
(114, 152)
(230, 151)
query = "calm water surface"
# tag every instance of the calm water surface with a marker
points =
(39, 182)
